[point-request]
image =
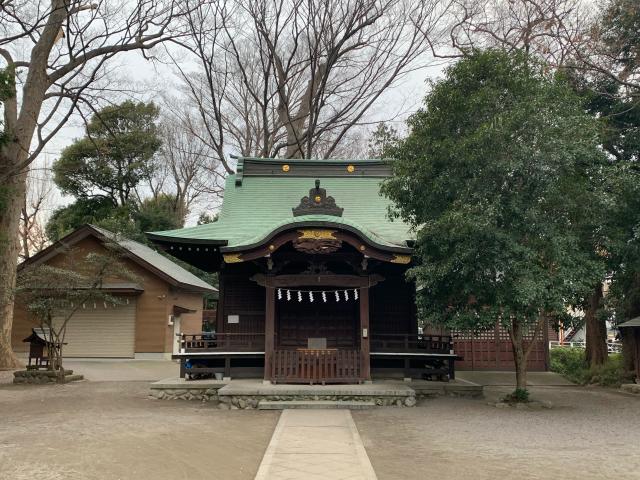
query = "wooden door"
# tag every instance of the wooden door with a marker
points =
(338, 322)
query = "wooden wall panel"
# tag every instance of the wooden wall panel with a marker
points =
(189, 322)
(392, 307)
(338, 322)
(246, 299)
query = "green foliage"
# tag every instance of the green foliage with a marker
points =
(131, 220)
(206, 218)
(114, 156)
(497, 178)
(103, 169)
(519, 395)
(6, 91)
(572, 364)
(84, 210)
(620, 32)
(382, 139)
(618, 110)
(569, 362)
(158, 213)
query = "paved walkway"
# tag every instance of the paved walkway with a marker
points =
(316, 444)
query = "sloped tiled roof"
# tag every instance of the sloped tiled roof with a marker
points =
(634, 322)
(156, 260)
(258, 201)
(141, 254)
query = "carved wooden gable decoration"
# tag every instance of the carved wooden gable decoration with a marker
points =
(317, 203)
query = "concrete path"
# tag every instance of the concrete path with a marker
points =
(316, 444)
(123, 370)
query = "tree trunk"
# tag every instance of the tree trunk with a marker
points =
(9, 248)
(519, 353)
(596, 330)
(631, 351)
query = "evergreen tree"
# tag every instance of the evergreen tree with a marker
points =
(497, 176)
(115, 155)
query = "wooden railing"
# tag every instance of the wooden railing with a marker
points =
(221, 342)
(411, 343)
(316, 366)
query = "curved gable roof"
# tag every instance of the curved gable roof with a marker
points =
(259, 200)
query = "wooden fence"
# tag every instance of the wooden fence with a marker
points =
(316, 366)
(491, 350)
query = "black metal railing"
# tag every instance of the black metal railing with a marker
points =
(221, 342)
(411, 343)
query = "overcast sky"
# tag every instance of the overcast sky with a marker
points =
(150, 79)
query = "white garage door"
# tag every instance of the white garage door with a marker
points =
(102, 332)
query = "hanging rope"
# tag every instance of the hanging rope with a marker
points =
(300, 295)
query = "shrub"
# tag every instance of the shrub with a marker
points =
(571, 363)
(519, 395)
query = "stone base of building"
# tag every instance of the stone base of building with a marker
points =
(43, 376)
(243, 394)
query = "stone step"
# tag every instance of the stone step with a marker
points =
(73, 378)
(314, 404)
(39, 373)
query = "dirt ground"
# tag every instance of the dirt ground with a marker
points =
(110, 430)
(589, 434)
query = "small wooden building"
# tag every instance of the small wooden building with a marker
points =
(312, 278)
(164, 300)
(40, 343)
(631, 336)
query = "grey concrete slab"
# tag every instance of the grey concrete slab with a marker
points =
(256, 387)
(308, 444)
(123, 370)
(314, 404)
(173, 382)
(538, 379)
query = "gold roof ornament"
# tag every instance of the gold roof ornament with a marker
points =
(232, 258)
(316, 234)
(403, 259)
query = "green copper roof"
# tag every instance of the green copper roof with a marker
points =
(260, 204)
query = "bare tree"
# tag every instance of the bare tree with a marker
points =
(37, 196)
(186, 168)
(57, 52)
(292, 78)
(584, 35)
(538, 27)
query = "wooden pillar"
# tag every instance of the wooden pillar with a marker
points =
(269, 328)
(637, 335)
(220, 306)
(365, 334)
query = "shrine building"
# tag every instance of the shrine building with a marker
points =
(311, 278)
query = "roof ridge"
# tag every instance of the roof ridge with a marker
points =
(319, 160)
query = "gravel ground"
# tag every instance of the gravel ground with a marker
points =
(6, 376)
(589, 434)
(110, 430)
